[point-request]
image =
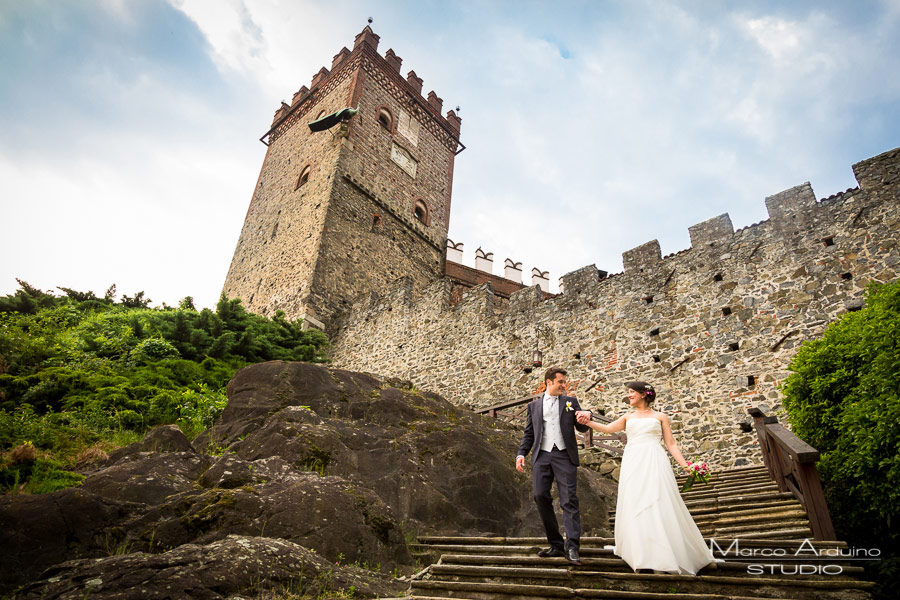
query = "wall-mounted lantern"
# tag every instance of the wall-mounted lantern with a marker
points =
(537, 359)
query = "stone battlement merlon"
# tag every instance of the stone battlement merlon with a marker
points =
(366, 45)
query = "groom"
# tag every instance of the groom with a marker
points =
(550, 430)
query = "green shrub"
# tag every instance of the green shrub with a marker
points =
(77, 370)
(843, 397)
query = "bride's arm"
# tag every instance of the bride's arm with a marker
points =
(617, 425)
(669, 440)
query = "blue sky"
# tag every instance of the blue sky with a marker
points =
(129, 129)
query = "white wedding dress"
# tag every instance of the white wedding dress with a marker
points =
(654, 529)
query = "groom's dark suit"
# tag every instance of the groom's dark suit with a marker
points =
(556, 464)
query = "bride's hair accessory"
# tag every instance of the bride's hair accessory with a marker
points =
(644, 388)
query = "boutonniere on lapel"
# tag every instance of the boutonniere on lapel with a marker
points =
(569, 406)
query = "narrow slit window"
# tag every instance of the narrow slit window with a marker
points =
(303, 178)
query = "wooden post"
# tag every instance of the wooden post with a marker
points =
(816, 507)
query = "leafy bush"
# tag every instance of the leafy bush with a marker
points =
(78, 370)
(843, 397)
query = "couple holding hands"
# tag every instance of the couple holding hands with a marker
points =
(653, 529)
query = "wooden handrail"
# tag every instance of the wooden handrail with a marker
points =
(791, 463)
(590, 439)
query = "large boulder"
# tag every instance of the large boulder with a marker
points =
(236, 565)
(37, 531)
(440, 468)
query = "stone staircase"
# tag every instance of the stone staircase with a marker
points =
(757, 531)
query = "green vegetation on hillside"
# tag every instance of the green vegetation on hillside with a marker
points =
(843, 397)
(81, 374)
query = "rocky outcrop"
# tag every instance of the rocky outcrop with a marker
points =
(221, 569)
(304, 458)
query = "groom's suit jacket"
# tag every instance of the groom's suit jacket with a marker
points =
(534, 427)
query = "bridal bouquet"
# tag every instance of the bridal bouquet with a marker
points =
(696, 472)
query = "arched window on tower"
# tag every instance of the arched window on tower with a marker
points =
(304, 177)
(385, 118)
(421, 212)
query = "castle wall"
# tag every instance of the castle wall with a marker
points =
(713, 327)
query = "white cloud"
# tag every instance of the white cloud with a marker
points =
(599, 133)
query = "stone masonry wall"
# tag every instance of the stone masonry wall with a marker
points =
(277, 250)
(713, 327)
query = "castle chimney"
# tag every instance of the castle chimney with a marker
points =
(484, 261)
(434, 101)
(541, 279)
(318, 77)
(303, 91)
(339, 57)
(454, 121)
(415, 81)
(393, 60)
(366, 37)
(512, 270)
(454, 251)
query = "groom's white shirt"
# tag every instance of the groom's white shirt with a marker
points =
(552, 434)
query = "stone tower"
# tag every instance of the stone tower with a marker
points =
(347, 211)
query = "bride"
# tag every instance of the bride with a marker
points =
(654, 529)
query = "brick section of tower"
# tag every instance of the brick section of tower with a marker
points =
(351, 228)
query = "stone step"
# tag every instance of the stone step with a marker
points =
(729, 476)
(529, 592)
(749, 528)
(753, 515)
(749, 499)
(731, 509)
(734, 576)
(706, 492)
(719, 481)
(598, 542)
(543, 580)
(616, 564)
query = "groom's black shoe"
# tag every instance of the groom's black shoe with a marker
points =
(551, 552)
(573, 557)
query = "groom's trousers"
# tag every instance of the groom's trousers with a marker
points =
(547, 467)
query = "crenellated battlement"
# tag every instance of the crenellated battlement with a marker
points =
(365, 48)
(713, 326)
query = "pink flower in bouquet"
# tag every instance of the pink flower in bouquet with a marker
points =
(696, 472)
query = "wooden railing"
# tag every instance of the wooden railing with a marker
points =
(791, 463)
(514, 411)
